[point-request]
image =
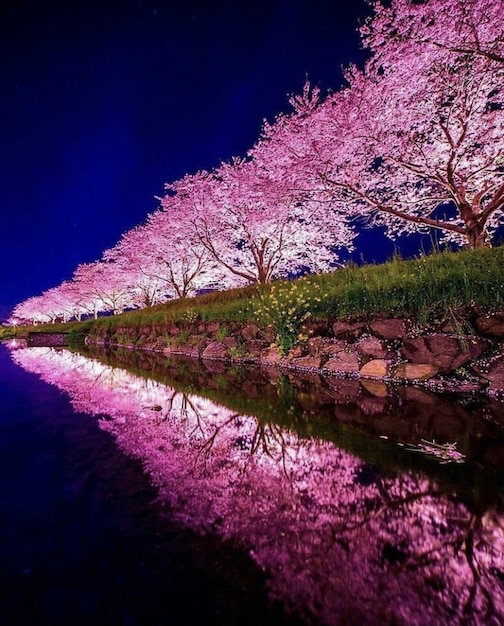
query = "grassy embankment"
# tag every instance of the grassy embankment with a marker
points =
(426, 288)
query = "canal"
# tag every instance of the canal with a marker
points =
(143, 490)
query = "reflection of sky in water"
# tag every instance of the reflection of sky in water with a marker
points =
(340, 542)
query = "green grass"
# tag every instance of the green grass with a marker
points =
(420, 288)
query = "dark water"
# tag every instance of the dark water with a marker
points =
(83, 540)
(137, 490)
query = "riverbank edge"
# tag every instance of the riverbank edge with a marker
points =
(388, 350)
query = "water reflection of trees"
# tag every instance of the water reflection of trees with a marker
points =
(342, 541)
(308, 404)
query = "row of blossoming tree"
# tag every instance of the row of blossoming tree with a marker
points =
(413, 141)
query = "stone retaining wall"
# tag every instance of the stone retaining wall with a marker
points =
(381, 349)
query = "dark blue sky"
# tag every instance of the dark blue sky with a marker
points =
(101, 103)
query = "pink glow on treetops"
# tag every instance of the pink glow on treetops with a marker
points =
(413, 142)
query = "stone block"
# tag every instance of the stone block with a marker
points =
(325, 346)
(318, 345)
(250, 332)
(377, 368)
(447, 352)
(388, 328)
(415, 371)
(230, 342)
(343, 362)
(307, 362)
(348, 330)
(216, 350)
(271, 355)
(371, 347)
(492, 325)
(255, 346)
(298, 351)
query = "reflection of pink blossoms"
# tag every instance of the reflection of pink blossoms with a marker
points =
(443, 452)
(341, 544)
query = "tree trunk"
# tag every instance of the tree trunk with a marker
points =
(477, 236)
(476, 233)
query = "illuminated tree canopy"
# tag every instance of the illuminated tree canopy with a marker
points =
(412, 142)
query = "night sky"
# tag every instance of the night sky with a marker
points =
(101, 103)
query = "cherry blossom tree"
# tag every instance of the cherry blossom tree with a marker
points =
(29, 311)
(103, 286)
(133, 257)
(297, 151)
(68, 301)
(75, 305)
(53, 304)
(189, 201)
(415, 140)
(257, 228)
(421, 142)
(465, 27)
(436, 76)
(178, 258)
